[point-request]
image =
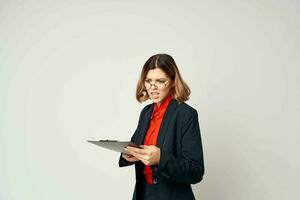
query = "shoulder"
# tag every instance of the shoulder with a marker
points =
(186, 114)
(186, 110)
(146, 109)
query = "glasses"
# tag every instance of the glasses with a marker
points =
(159, 84)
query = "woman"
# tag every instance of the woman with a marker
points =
(170, 156)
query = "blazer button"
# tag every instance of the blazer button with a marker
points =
(155, 181)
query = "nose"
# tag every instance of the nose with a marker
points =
(154, 85)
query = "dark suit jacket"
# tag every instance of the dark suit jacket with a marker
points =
(181, 160)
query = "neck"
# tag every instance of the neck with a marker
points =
(159, 103)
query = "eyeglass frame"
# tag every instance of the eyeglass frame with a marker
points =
(154, 84)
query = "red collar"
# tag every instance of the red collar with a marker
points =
(162, 107)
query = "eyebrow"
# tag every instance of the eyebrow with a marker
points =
(156, 79)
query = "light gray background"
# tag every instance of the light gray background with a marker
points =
(68, 71)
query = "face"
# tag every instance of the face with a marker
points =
(159, 85)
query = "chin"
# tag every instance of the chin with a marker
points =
(156, 100)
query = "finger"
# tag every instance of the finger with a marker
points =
(128, 155)
(147, 146)
(129, 158)
(126, 151)
(144, 146)
(146, 159)
(146, 162)
(135, 155)
(140, 156)
(145, 152)
(134, 159)
(125, 157)
(137, 150)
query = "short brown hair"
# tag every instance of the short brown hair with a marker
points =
(165, 62)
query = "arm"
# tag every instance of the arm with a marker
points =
(189, 168)
(122, 161)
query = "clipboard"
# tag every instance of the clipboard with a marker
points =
(114, 145)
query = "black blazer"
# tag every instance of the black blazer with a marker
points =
(181, 160)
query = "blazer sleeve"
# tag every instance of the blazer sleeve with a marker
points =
(189, 167)
(122, 161)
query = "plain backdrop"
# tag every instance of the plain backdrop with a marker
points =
(68, 72)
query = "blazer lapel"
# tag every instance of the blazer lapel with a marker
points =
(144, 126)
(163, 127)
(165, 122)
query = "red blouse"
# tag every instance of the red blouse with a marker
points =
(152, 132)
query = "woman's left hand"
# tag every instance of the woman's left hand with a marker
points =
(149, 155)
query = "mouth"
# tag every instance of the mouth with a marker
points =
(155, 95)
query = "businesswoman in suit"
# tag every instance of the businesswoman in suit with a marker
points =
(170, 157)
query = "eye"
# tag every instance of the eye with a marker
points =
(161, 81)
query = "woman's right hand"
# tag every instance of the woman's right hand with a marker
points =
(129, 157)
